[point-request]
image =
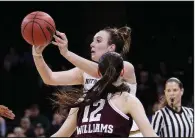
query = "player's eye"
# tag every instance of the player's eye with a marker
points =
(98, 40)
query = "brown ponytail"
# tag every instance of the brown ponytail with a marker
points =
(125, 33)
(110, 66)
(121, 37)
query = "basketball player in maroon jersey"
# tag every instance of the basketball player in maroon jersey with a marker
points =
(107, 109)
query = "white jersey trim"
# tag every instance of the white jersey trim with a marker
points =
(116, 109)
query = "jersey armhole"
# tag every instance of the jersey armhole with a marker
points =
(82, 76)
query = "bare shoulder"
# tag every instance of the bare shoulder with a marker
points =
(132, 103)
(129, 72)
(129, 98)
(128, 65)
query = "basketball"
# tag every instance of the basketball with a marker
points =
(38, 28)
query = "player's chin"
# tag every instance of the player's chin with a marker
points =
(93, 57)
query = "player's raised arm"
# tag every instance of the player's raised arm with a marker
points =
(39, 32)
(6, 112)
(69, 77)
(87, 66)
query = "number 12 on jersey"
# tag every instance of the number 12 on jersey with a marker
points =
(94, 115)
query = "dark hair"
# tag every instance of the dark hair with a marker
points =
(121, 37)
(173, 79)
(110, 66)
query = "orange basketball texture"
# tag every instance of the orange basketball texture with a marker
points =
(38, 28)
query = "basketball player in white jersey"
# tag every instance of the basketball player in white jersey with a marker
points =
(108, 39)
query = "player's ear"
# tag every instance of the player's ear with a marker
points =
(182, 91)
(122, 72)
(112, 47)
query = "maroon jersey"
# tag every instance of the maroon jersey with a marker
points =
(102, 119)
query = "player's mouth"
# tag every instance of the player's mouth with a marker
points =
(92, 52)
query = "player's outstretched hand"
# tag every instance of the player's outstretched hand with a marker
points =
(61, 41)
(6, 112)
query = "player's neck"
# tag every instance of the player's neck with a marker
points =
(118, 82)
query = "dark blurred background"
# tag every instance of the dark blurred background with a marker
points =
(162, 47)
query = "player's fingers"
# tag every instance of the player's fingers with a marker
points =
(54, 43)
(3, 107)
(9, 115)
(62, 35)
(57, 44)
(57, 39)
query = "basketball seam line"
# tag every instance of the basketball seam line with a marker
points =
(45, 21)
(26, 26)
(32, 28)
(42, 31)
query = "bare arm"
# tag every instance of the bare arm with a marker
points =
(69, 126)
(88, 66)
(91, 67)
(137, 112)
(85, 65)
(69, 77)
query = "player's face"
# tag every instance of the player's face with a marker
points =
(99, 46)
(173, 91)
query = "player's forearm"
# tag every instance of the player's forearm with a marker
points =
(87, 66)
(43, 69)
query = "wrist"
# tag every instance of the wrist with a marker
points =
(35, 53)
(66, 53)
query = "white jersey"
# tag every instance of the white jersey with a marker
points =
(89, 81)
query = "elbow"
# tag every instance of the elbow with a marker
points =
(49, 80)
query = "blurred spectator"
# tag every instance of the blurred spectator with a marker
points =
(159, 83)
(36, 117)
(12, 57)
(7, 65)
(143, 81)
(138, 68)
(56, 123)
(2, 127)
(161, 102)
(163, 70)
(27, 113)
(39, 130)
(26, 126)
(19, 132)
(11, 135)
